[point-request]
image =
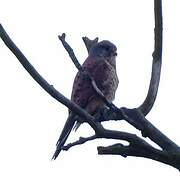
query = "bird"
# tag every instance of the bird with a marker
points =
(101, 66)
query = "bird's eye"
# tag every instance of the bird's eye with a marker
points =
(106, 48)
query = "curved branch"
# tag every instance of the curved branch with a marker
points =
(137, 119)
(147, 105)
(137, 147)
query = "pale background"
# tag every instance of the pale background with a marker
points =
(31, 121)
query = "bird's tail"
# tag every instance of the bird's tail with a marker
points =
(64, 135)
(76, 125)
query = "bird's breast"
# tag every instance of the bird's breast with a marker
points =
(108, 82)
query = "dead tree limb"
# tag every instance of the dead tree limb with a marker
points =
(148, 103)
(41, 81)
(141, 150)
(135, 117)
(169, 152)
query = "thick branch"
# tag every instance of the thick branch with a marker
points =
(111, 134)
(42, 82)
(137, 120)
(150, 131)
(137, 147)
(107, 115)
(141, 150)
(157, 61)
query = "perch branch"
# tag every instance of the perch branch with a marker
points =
(148, 103)
(110, 134)
(170, 153)
(43, 83)
(137, 147)
(136, 118)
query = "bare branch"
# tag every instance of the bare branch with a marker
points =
(147, 105)
(81, 140)
(89, 43)
(107, 114)
(141, 150)
(137, 119)
(43, 83)
(70, 51)
(137, 147)
(170, 153)
(111, 134)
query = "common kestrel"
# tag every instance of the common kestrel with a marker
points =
(101, 65)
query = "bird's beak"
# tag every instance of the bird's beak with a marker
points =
(115, 54)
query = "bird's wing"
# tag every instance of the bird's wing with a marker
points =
(82, 89)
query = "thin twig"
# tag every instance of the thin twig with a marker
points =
(81, 140)
(70, 51)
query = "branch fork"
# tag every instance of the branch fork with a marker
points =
(168, 153)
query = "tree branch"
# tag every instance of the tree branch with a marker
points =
(137, 119)
(137, 147)
(81, 140)
(43, 83)
(148, 103)
(70, 51)
(141, 150)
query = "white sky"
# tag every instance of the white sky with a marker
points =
(31, 121)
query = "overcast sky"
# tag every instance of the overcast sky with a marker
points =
(31, 120)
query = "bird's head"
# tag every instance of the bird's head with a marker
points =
(104, 49)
